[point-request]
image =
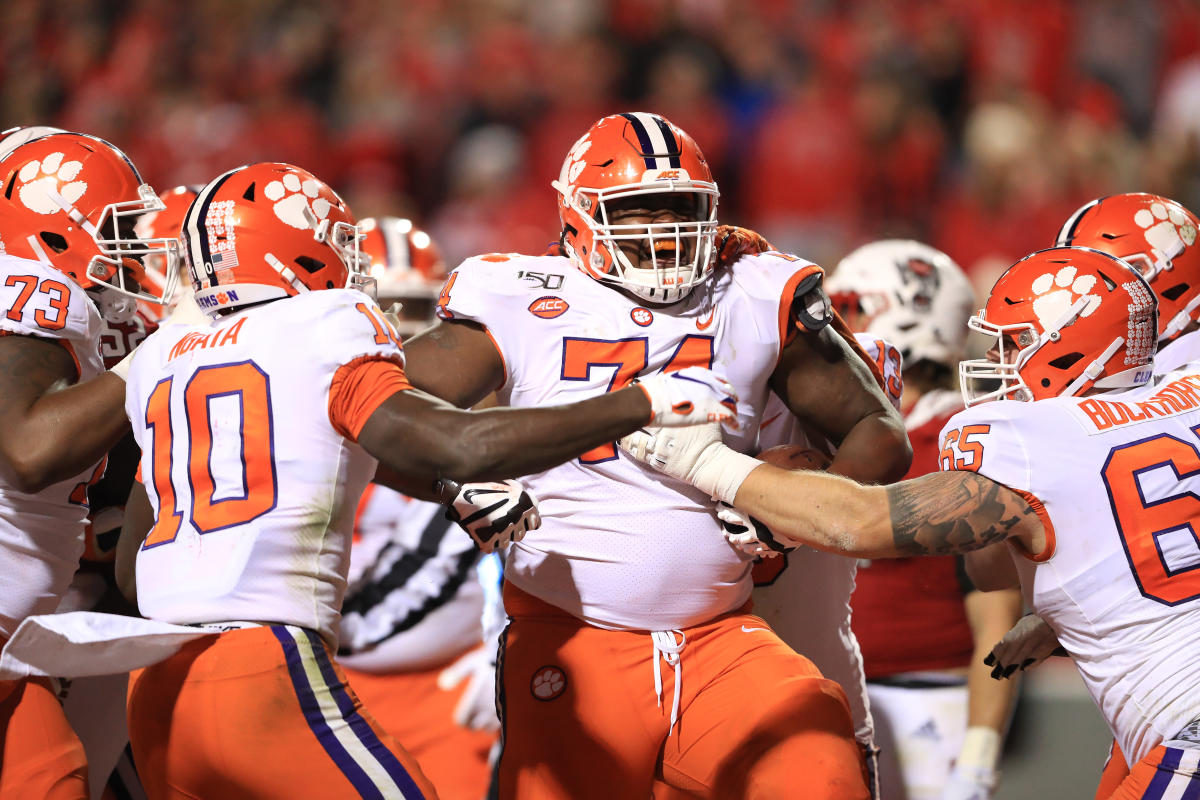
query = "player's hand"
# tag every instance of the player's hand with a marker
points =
(734, 242)
(1030, 642)
(970, 783)
(494, 513)
(695, 454)
(749, 535)
(476, 709)
(690, 396)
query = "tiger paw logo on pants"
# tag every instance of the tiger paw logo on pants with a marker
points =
(38, 179)
(548, 683)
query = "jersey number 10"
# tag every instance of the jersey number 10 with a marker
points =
(252, 389)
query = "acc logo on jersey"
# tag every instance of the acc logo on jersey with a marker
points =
(548, 683)
(642, 316)
(548, 307)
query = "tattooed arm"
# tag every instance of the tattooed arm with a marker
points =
(947, 512)
(51, 430)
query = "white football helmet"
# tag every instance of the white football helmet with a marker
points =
(908, 293)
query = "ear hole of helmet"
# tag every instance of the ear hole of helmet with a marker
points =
(1175, 291)
(55, 241)
(1063, 362)
(309, 264)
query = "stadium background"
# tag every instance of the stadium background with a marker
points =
(975, 126)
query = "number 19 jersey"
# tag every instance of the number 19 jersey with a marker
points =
(1115, 479)
(251, 470)
(621, 546)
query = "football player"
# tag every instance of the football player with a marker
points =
(70, 262)
(411, 636)
(1157, 236)
(628, 607)
(923, 629)
(259, 431)
(1084, 468)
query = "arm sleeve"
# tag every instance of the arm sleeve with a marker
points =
(359, 388)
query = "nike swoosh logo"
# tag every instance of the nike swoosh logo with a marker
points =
(703, 324)
(770, 419)
(751, 630)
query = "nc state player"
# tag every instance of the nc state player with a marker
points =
(1086, 483)
(1157, 237)
(67, 206)
(258, 432)
(923, 629)
(629, 578)
(411, 638)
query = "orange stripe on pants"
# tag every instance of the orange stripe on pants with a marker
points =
(420, 716)
(40, 755)
(224, 719)
(582, 720)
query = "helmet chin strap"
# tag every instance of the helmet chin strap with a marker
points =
(285, 272)
(1093, 370)
(1181, 320)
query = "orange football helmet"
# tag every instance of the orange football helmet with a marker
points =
(637, 154)
(407, 267)
(1077, 319)
(1157, 237)
(265, 231)
(70, 201)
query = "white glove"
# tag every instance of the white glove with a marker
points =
(695, 455)
(476, 709)
(690, 396)
(494, 513)
(974, 776)
(749, 535)
(1030, 642)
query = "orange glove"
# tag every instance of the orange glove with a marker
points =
(734, 242)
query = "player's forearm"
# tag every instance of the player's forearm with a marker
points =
(991, 615)
(823, 511)
(66, 432)
(876, 450)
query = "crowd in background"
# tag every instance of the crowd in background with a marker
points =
(975, 125)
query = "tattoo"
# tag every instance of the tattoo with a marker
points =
(952, 512)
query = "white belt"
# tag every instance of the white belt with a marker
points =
(668, 649)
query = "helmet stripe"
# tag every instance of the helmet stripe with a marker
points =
(1067, 234)
(195, 232)
(658, 143)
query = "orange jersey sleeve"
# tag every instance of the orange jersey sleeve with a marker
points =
(359, 388)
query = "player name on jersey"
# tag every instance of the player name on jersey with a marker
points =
(1176, 397)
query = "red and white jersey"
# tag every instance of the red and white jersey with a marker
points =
(248, 458)
(41, 534)
(413, 600)
(908, 612)
(1184, 350)
(622, 546)
(1115, 479)
(805, 594)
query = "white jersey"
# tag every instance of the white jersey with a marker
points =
(1184, 350)
(41, 534)
(621, 546)
(253, 488)
(1114, 477)
(413, 600)
(805, 595)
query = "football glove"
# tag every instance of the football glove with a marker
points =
(689, 396)
(1030, 642)
(749, 535)
(476, 709)
(734, 242)
(695, 455)
(494, 513)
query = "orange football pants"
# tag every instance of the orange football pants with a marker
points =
(40, 755)
(1115, 771)
(1166, 773)
(419, 715)
(262, 712)
(581, 718)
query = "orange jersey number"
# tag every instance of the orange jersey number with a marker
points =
(1141, 523)
(885, 355)
(629, 357)
(384, 332)
(969, 455)
(57, 291)
(250, 388)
